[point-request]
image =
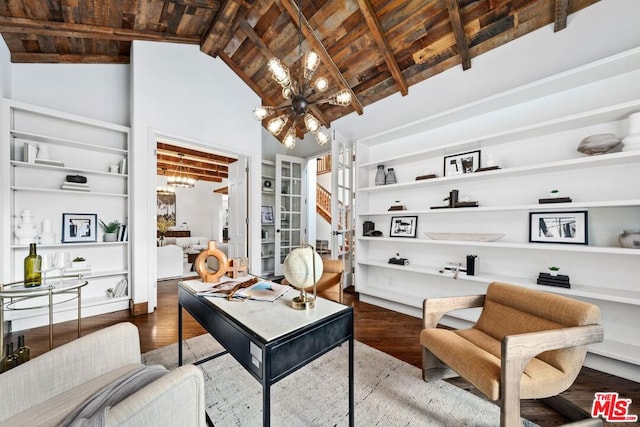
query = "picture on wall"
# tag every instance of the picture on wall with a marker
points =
(78, 228)
(458, 164)
(166, 208)
(403, 226)
(558, 227)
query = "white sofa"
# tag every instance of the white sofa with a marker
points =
(43, 391)
(170, 260)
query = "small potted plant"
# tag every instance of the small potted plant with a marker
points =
(554, 194)
(553, 270)
(110, 230)
(78, 262)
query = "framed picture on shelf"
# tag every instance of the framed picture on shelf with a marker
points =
(267, 215)
(77, 228)
(558, 227)
(458, 164)
(267, 186)
(403, 226)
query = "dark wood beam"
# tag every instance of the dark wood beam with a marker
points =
(221, 28)
(383, 44)
(223, 190)
(318, 47)
(65, 29)
(560, 22)
(202, 4)
(55, 58)
(161, 146)
(458, 32)
(171, 163)
(199, 177)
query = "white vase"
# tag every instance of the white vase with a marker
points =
(47, 237)
(110, 237)
(26, 231)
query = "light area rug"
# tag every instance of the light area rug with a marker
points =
(388, 391)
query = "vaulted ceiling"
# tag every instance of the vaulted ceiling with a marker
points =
(374, 48)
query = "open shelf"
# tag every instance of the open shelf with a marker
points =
(67, 142)
(20, 164)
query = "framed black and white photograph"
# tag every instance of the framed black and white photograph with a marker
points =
(78, 228)
(403, 226)
(458, 164)
(267, 185)
(558, 227)
(267, 214)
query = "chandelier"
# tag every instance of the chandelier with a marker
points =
(300, 96)
(180, 178)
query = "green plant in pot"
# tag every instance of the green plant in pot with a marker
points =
(78, 262)
(110, 230)
(553, 270)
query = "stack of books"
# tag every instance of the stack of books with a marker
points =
(549, 280)
(75, 183)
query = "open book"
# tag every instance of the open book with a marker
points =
(247, 287)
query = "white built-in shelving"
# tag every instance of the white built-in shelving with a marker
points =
(76, 145)
(533, 157)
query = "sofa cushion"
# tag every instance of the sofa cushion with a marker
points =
(51, 412)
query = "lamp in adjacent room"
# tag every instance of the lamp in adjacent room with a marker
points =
(180, 179)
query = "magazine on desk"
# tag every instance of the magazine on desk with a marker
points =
(244, 288)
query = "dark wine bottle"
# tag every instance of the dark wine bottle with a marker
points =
(32, 264)
(23, 352)
(10, 360)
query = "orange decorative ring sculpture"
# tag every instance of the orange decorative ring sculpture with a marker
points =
(209, 276)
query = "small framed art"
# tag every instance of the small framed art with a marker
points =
(77, 228)
(403, 226)
(458, 164)
(558, 227)
(267, 214)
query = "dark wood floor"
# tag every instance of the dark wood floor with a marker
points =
(388, 331)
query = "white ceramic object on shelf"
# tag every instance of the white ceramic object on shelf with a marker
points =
(469, 237)
(630, 239)
(26, 231)
(632, 141)
(47, 237)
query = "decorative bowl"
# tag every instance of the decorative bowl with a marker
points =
(469, 237)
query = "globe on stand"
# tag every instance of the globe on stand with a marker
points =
(302, 268)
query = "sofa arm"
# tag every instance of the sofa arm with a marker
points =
(434, 308)
(175, 399)
(68, 366)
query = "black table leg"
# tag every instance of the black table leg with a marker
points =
(179, 335)
(351, 385)
(266, 404)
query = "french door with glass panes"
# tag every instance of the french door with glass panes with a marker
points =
(290, 207)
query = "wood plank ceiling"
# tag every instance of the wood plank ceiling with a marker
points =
(196, 164)
(374, 48)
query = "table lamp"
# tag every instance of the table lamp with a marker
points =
(302, 268)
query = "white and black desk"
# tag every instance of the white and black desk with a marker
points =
(270, 339)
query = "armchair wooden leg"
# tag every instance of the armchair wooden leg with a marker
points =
(511, 371)
(433, 368)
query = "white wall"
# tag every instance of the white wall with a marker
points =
(181, 93)
(199, 207)
(5, 71)
(99, 91)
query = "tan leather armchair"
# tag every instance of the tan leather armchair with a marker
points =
(526, 344)
(329, 285)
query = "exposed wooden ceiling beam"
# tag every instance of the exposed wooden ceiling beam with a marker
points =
(171, 164)
(223, 190)
(383, 44)
(221, 28)
(560, 22)
(458, 32)
(197, 176)
(195, 153)
(55, 58)
(65, 29)
(318, 47)
(203, 4)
